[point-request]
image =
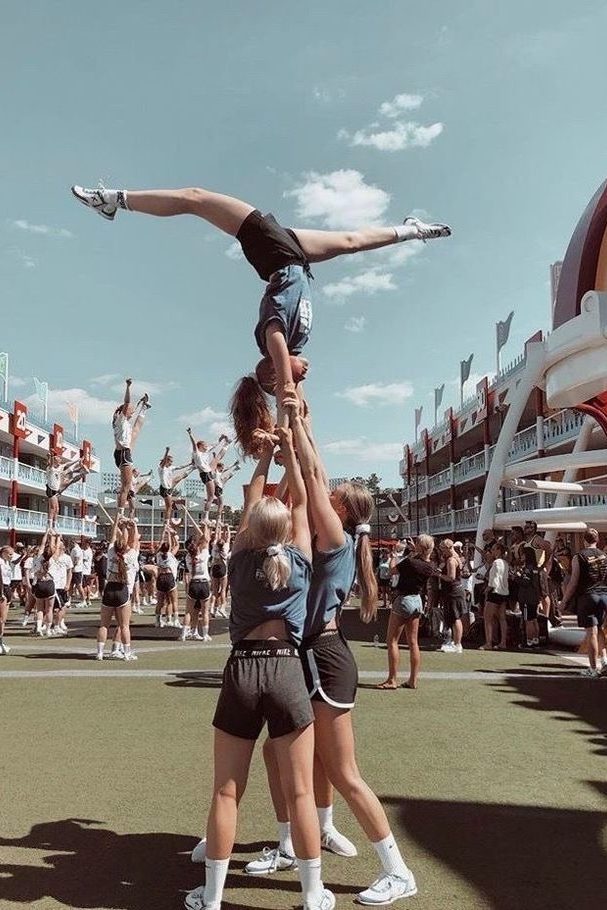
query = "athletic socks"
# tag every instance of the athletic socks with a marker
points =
(311, 882)
(215, 879)
(100, 648)
(390, 857)
(405, 232)
(285, 844)
(115, 197)
(325, 818)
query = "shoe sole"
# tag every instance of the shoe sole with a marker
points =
(411, 893)
(273, 871)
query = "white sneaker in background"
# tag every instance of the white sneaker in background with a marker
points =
(271, 860)
(337, 843)
(386, 889)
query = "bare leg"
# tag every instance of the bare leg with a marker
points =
(503, 626)
(126, 476)
(593, 646)
(224, 212)
(458, 630)
(295, 757)
(396, 625)
(322, 245)
(232, 761)
(415, 660)
(278, 799)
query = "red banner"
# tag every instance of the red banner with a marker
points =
(86, 452)
(18, 420)
(56, 440)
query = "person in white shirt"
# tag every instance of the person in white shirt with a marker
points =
(170, 477)
(43, 586)
(166, 580)
(87, 570)
(497, 598)
(127, 421)
(221, 476)
(60, 569)
(26, 570)
(6, 577)
(138, 481)
(205, 460)
(123, 564)
(220, 553)
(58, 478)
(78, 559)
(199, 591)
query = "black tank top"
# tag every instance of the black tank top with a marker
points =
(453, 587)
(593, 570)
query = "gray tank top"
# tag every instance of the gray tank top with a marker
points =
(253, 602)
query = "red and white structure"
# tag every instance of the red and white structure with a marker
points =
(25, 443)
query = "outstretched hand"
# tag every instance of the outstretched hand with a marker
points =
(129, 381)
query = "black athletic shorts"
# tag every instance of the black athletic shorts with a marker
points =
(76, 578)
(50, 493)
(330, 669)
(497, 599)
(263, 681)
(61, 598)
(164, 491)
(44, 589)
(199, 590)
(115, 595)
(218, 490)
(5, 591)
(455, 606)
(529, 611)
(165, 583)
(268, 246)
(205, 476)
(592, 609)
(122, 457)
(219, 570)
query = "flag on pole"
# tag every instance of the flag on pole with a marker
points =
(42, 393)
(4, 373)
(418, 418)
(72, 410)
(464, 370)
(438, 396)
(503, 331)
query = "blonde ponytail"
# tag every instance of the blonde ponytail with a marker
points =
(366, 579)
(358, 504)
(276, 567)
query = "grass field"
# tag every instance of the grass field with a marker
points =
(493, 773)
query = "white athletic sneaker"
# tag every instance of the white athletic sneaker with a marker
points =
(271, 860)
(196, 636)
(337, 843)
(590, 673)
(25, 620)
(4, 649)
(97, 200)
(177, 623)
(99, 656)
(388, 888)
(116, 655)
(428, 231)
(153, 601)
(162, 623)
(130, 656)
(326, 902)
(194, 900)
(450, 648)
(199, 853)
(207, 638)
(185, 634)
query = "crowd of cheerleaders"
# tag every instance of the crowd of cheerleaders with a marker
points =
(290, 665)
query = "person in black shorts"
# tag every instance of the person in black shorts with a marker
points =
(281, 257)
(456, 606)
(263, 680)
(588, 583)
(531, 589)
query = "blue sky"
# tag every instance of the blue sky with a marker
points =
(487, 115)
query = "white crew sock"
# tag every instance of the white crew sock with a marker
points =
(405, 232)
(127, 649)
(116, 197)
(285, 844)
(325, 818)
(205, 630)
(215, 879)
(311, 882)
(100, 646)
(390, 857)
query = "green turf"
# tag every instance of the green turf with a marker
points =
(495, 788)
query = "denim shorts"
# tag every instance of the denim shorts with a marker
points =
(409, 606)
(287, 301)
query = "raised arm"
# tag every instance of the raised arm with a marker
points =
(114, 533)
(127, 391)
(326, 523)
(297, 490)
(163, 460)
(255, 489)
(192, 440)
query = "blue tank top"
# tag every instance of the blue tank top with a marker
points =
(332, 577)
(253, 602)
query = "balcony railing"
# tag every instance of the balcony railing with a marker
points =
(26, 520)
(441, 524)
(467, 519)
(6, 468)
(469, 468)
(561, 427)
(440, 481)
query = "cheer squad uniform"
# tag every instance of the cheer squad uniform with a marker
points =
(263, 680)
(117, 591)
(44, 586)
(123, 434)
(168, 568)
(199, 588)
(329, 666)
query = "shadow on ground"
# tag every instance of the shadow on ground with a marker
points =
(530, 857)
(197, 679)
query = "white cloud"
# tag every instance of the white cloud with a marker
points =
(42, 229)
(114, 382)
(369, 282)
(377, 393)
(234, 251)
(340, 199)
(27, 261)
(400, 103)
(365, 450)
(91, 409)
(400, 137)
(355, 324)
(403, 252)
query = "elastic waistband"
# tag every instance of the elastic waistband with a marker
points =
(320, 638)
(264, 647)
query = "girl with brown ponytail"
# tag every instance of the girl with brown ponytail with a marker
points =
(122, 568)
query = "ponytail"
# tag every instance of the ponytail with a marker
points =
(249, 411)
(276, 567)
(366, 578)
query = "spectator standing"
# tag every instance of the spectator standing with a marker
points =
(457, 610)
(589, 583)
(497, 598)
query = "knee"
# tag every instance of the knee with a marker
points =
(352, 241)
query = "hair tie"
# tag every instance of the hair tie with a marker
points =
(363, 529)
(275, 549)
